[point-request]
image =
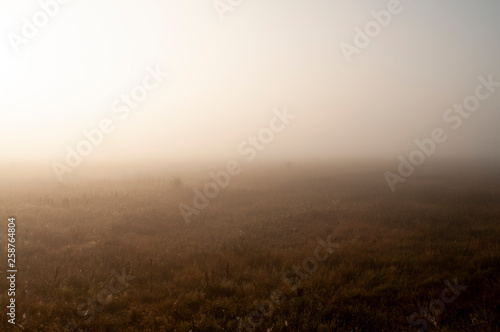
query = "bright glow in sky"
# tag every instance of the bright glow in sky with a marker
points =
(225, 77)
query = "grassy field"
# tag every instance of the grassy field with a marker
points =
(116, 254)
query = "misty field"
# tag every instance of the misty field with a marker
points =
(116, 254)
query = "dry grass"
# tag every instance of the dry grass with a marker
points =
(395, 251)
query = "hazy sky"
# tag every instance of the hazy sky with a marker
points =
(225, 77)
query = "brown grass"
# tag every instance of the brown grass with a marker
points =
(395, 251)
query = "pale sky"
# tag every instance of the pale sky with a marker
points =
(225, 77)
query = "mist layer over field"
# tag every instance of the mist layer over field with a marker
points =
(227, 165)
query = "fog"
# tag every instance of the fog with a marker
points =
(218, 82)
(249, 165)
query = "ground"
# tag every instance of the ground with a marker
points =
(280, 249)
